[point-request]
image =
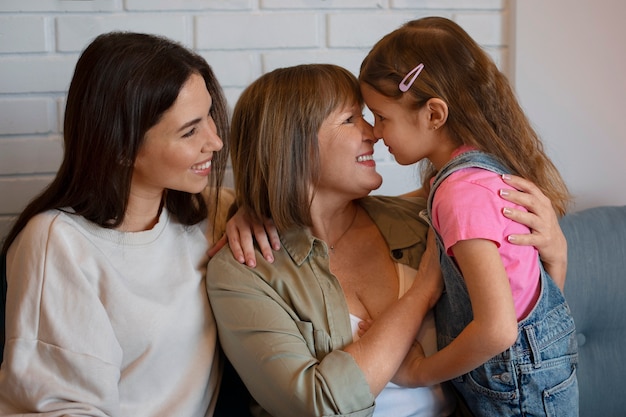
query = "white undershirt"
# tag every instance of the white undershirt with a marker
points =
(397, 401)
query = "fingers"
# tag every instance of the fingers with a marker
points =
(520, 183)
(272, 233)
(241, 241)
(262, 240)
(525, 194)
(545, 232)
(242, 230)
(531, 220)
(540, 218)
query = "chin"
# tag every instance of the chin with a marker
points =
(375, 185)
(194, 189)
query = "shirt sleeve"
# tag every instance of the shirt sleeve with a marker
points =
(274, 349)
(61, 355)
(466, 206)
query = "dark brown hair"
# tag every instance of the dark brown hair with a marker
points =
(275, 126)
(122, 84)
(483, 110)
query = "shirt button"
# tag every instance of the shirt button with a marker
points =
(397, 253)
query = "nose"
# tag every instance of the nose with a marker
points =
(367, 131)
(376, 131)
(213, 142)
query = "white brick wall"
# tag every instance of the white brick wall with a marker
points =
(40, 41)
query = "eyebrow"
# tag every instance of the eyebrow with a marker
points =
(189, 124)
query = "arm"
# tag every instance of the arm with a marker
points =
(494, 326)
(399, 323)
(55, 321)
(546, 234)
(295, 365)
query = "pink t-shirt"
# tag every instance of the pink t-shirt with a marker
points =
(467, 206)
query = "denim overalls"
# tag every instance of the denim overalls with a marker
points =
(537, 375)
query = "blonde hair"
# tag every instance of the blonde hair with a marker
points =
(483, 110)
(274, 134)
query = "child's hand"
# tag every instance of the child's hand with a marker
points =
(407, 372)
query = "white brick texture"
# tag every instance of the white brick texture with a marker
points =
(40, 41)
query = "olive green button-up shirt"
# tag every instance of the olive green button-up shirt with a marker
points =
(283, 324)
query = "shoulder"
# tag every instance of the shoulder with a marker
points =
(469, 188)
(224, 271)
(46, 224)
(474, 178)
(398, 220)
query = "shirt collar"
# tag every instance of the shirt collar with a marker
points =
(395, 217)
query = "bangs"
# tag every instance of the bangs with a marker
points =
(340, 89)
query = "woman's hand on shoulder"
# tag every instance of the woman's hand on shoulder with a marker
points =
(241, 231)
(545, 232)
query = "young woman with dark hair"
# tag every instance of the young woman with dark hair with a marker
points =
(107, 312)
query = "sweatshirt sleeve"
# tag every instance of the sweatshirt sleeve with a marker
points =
(61, 354)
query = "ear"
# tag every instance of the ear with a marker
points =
(437, 112)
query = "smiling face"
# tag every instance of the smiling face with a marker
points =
(405, 132)
(176, 153)
(346, 145)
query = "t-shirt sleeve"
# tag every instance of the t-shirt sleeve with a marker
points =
(467, 206)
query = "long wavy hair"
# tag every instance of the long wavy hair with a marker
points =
(122, 84)
(274, 138)
(483, 110)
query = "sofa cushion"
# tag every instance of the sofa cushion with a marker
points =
(595, 289)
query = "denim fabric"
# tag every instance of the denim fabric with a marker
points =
(537, 375)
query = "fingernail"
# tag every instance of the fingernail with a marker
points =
(269, 258)
(251, 263)
(506, 211)
(504, 192)
(511, 238)
(506, 177)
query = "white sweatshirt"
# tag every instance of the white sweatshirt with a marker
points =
(107, 323)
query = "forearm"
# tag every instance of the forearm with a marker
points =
(384, 346)
(467, 352)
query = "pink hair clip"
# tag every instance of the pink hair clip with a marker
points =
(404, 85)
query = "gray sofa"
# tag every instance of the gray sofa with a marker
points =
(596, 292)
